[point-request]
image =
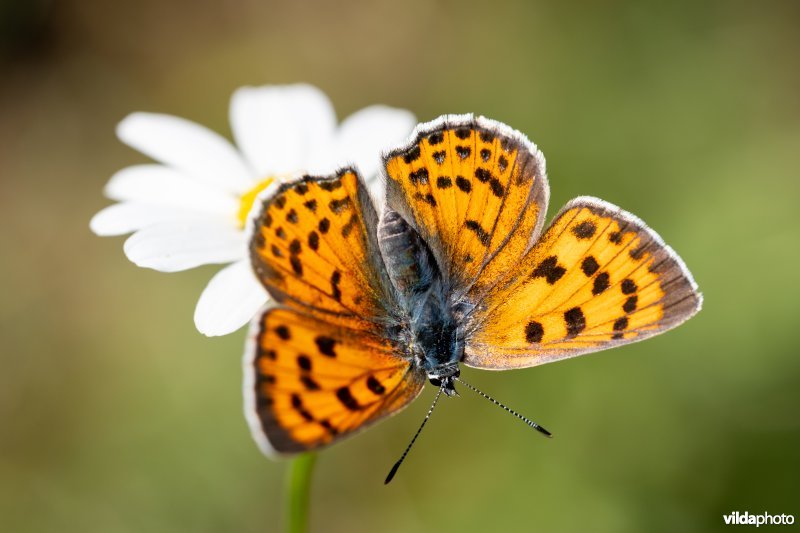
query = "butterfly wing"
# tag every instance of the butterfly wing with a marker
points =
(314, 247)
(324, 364)
(475, 190)
(598, 278)
(309, 382)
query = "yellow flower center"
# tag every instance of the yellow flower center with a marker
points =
(248, 198)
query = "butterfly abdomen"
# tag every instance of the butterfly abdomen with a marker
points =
(408, 261)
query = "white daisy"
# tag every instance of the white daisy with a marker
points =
(191, 208)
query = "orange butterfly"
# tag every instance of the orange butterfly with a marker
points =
(455, 270)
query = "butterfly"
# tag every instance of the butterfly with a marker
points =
(455, 270)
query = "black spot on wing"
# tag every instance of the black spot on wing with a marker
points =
(534, 332)
(584, 230)
(619, 326)
(483, 174)
(375, 386)
(497, 187)
(330, 185)
(463, 184)
(338, 205)
(502, 163)
(575, 321)
(427, 198)
(313, 240)
(638, 252)
(297, 403)
(348, 227)
(419, 176)
(283, 332)
(309, 383)
(326, 424)
(336, 292)
(481, 233)
(601, 283)
(628, 286)
(444, 182)
(346, 397)
(412, 155)
(589, 266)
(326, 345)
(304, 362)
(549, 269)
(297, 265)
(463, 152)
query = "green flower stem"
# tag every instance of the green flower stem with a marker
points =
(298, 489)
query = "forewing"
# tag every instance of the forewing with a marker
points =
(475, 190)
(309, 383)
(314, 247)
(598, 278)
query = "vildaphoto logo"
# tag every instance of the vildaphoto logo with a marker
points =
(765, 519)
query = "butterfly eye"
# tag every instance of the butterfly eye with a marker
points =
(436, 382)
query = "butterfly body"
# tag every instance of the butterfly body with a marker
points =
(456, 270)
(429, 320)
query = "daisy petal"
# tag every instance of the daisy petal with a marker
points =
(184, 244)
(229, 300)
(277, 128)
(188, 147)
(376, 185)
(119, 219)
(164, 186)
(366, 133)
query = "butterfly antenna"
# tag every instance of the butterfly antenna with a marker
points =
(527, 420)
(393, 471)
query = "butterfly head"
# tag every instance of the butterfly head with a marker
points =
(444, 376)
(438, 349)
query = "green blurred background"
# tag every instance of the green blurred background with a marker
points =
(118, 416)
